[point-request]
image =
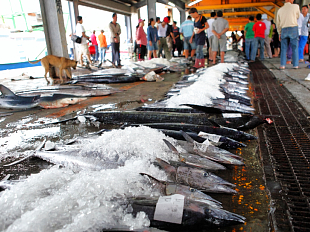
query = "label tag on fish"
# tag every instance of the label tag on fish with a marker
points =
(170, 209)
(212, 137)
(229, 115)
(233, 100)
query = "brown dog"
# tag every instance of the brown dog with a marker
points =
(58, 62)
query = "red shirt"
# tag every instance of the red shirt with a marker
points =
(259, 29)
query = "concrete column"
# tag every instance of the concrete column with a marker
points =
(73, 12)
(54, 28)
(151, 9)
(128, 28)
(182, 16)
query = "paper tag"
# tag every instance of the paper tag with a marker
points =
(170, 209)
(213, 137)
(233, 100)
(228, 115)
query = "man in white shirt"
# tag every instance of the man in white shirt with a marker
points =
(210, 33)
(303, 31)
(267, 39)
(83, 46)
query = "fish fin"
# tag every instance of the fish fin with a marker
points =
(187, 137)
(6, 177)
(214, 123)
(32, 154)
(171, 147)
(6, 91)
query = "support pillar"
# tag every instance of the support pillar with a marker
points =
(54, 29)
(128, 28)
(182, 16)
(151, 9)
(73, 12)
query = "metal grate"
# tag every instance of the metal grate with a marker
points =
(285, 151)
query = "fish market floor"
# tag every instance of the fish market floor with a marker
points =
(285, 144)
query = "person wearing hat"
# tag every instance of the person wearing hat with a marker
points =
(115, 31)
(267, 38)
(152, 38)
(200, 24)
(141, 40)
(103, 46)
(162, 42)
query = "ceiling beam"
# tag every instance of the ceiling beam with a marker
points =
(227, 14)
(266, 11)
(237, 5)
(107, 5)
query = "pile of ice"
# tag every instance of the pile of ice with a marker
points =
(60, 199)
(204, 89)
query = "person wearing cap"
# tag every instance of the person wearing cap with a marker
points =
(152, 38)
(115, 31)
(187, 29)
(83, 46)
(303, 30)
(286, 21)
(103, 46)
(219, 28)
(200, 24)
(141, 40)
(267, 38)
(162, 42)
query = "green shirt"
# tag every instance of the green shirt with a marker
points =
(249, 30)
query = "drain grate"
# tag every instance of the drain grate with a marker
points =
(285, 151)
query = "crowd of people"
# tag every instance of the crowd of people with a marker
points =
(261, 37)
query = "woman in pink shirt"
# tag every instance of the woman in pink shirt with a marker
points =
(94, 42)
(141, 40)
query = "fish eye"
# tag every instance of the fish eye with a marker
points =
(205, 174)
(192, 189)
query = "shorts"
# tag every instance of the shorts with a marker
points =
(219, 43)
(187, 43)
(154, 46)
(83, 49)
(211, 40)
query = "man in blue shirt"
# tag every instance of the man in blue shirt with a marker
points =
(186, 29)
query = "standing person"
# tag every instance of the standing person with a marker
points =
(249, 40)
(162, 42)
(115, 31)
(103, 46)
(169, 35)
(141, 40)
(259, 29)
(243, 40)
(94, 42)
(83, 46)
(219, 28)
(303, 31)
(211, 36)
(200, 25)
(267, 38)
(177, 45)
(157, 21)
(71, 47)
(152, 38)
(187, 29)
(288, 30)
(275, 39)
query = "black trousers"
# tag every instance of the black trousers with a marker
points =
(141, 51)
(177, 45)
(115, 53)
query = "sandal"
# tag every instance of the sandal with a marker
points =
(282, 67)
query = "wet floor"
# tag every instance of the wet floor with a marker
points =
(23, 131)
